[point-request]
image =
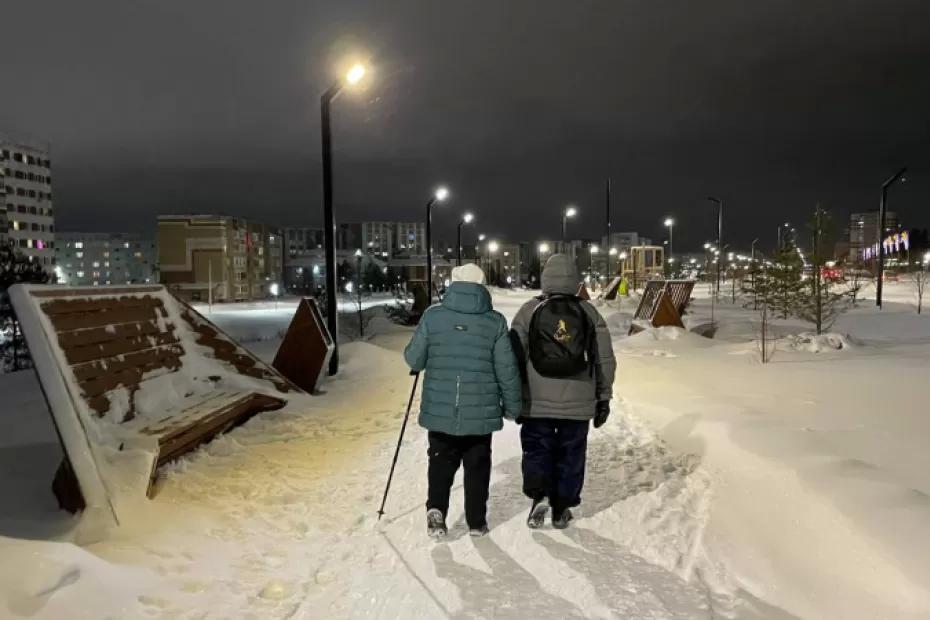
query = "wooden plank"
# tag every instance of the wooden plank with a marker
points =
(97, 291)
(89, 370)
(82, 337)
(129, 377)
(121, 346)
(68, 306)
(187, 438)
(102, 317)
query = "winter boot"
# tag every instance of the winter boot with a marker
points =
(435, 524)
(478, 532)
(537, 517)
(560, 521)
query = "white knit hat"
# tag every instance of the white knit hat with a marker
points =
(469, 272)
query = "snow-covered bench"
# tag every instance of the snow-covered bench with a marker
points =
(663, 304)
(134, 378)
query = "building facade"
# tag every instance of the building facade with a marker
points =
(863, 231)
(299, 241)
(410, 238)
(92, 259)
(27, 184)
(219, 258)
(378, 238)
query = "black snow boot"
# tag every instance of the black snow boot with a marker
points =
(436, 524)
(561, 520)
(537, 516)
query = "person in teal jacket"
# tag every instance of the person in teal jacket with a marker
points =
(472, 382)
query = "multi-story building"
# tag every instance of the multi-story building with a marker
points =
(378, 238)
(301, 241)
(410, 238)
(91, 259)
(27, 184)
(203, 257)
(863, 231)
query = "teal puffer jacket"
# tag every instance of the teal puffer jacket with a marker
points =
(472, 377)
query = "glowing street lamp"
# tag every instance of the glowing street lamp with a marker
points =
(441, 194)
(351, 78)
(670, 224)
(467, 218)
(569, 212)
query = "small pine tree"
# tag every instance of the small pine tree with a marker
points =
(14, 268)
(819, 303)
(782, 282)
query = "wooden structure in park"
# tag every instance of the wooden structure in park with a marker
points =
(644, 263)
(306, 348)
(663, 304)
(613, 287)
(134, 378)
(583, 292)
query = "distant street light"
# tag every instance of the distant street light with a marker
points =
(719, 236)
(569, 212)
(441, 194)
(467, 218)
(670, 224)
(351, 78)
(881, 232)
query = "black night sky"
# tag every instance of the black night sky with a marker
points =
(519, 106)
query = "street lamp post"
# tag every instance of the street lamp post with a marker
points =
(670, 224)
(881, 233)
(542, 248)
(492, 251)
(467, 218)
(358, 286)
(567, 213)
(441, 194)
(354, 76)
(719, 237)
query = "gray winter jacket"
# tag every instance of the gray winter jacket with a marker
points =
(572, 398)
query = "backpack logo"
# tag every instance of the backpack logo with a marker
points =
(561, 334)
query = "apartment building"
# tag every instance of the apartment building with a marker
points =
(219, 258)
(92, 259)
(378, 238)
(27, 199)
(410, 238)
(863, 231)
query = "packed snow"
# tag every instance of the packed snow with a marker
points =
(719, 488)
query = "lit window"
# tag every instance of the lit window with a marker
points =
(79, 244)
(96, 264)
(80, 274)
(79, 254)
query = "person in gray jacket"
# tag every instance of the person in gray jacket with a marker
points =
(568, 368)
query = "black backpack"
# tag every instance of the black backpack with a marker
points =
(560, 337)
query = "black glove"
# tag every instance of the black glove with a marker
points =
(601, 413)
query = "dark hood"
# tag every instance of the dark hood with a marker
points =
(467, 298)
(560, 276)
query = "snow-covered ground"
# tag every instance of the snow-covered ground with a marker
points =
(720, 488)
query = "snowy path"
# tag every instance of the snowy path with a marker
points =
(716, 485)
(279, 519)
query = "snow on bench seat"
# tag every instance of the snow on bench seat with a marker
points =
(134, 378)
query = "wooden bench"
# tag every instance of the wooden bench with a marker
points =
(663, 304)
(131, 365)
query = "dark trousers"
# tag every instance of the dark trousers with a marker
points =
(446, 453)
(554, 460)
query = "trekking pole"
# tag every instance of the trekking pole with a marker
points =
(416, 379)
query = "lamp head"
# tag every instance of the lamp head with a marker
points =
(595, 249)
(492, 246)
(543, 247)
(468, 218)
(613, 251)
(571, 212)
(442, 192)
(669, 222)
(355, 74)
